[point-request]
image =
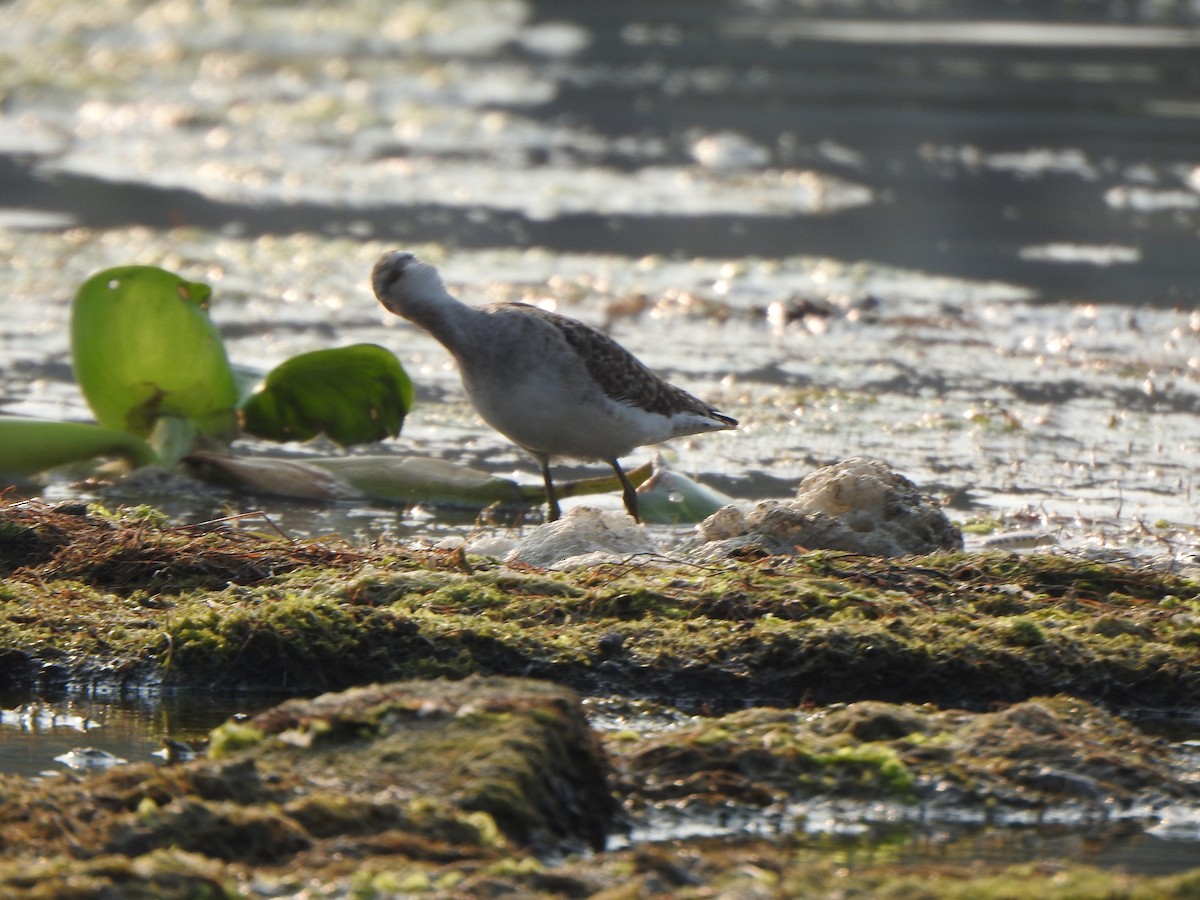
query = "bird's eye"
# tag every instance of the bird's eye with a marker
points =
(387, 274)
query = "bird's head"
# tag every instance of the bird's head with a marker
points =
(401, 280)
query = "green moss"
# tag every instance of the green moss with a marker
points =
(295, 642)
(389, 884)
(169, 874)
(868, 768)
(142, 516)
(712, 737)
(1024, 632)
(465, 595)
(957, 628)
(981, 527)
(519, 866)
(1060, 882)
(443, 821)
(231, 738)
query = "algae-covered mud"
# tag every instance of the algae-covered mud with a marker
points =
(899, 704)
(131, 600)
(964, 247)
(492, 786)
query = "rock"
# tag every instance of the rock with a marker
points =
(858, 505)
(727, 522)
(611, 643)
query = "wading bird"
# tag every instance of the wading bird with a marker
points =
(551, 385)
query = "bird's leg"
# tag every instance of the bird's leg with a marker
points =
(552, 510)
(628, 492)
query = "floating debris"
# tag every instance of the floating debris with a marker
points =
(1018, 540)
(89, 759)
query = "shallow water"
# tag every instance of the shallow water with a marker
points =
(966, 247)
(35, 730)
(39, 734)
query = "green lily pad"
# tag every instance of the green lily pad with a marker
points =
(143, 347)
(353, 395)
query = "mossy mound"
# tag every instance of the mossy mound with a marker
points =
(126, 599)
(520, 751)
(415, 774)
(1052, 756)
(485, 787)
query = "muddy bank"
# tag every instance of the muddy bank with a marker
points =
(125, 600)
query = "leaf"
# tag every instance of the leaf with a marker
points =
(354, 395)
(34, 445)
(385, 479)
(143, 347)
(295, 478)
(389, 479)
(173, 437)
(419, 479)
(597, 484)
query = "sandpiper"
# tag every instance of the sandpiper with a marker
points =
(550, 384)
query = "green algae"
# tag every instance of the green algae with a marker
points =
(377, 791)
(1046, 880)
(294, 643)
(758, 757)
(870, 768)
(834, 768)
(161, 875)
(415, 775)
(130, 598)
(231, 738)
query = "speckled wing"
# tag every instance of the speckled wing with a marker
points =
(621, 375)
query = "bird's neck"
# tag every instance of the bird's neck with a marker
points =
(443, 316)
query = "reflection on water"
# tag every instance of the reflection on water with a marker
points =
(919, 137)
(1121, 847)
(36, 730)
